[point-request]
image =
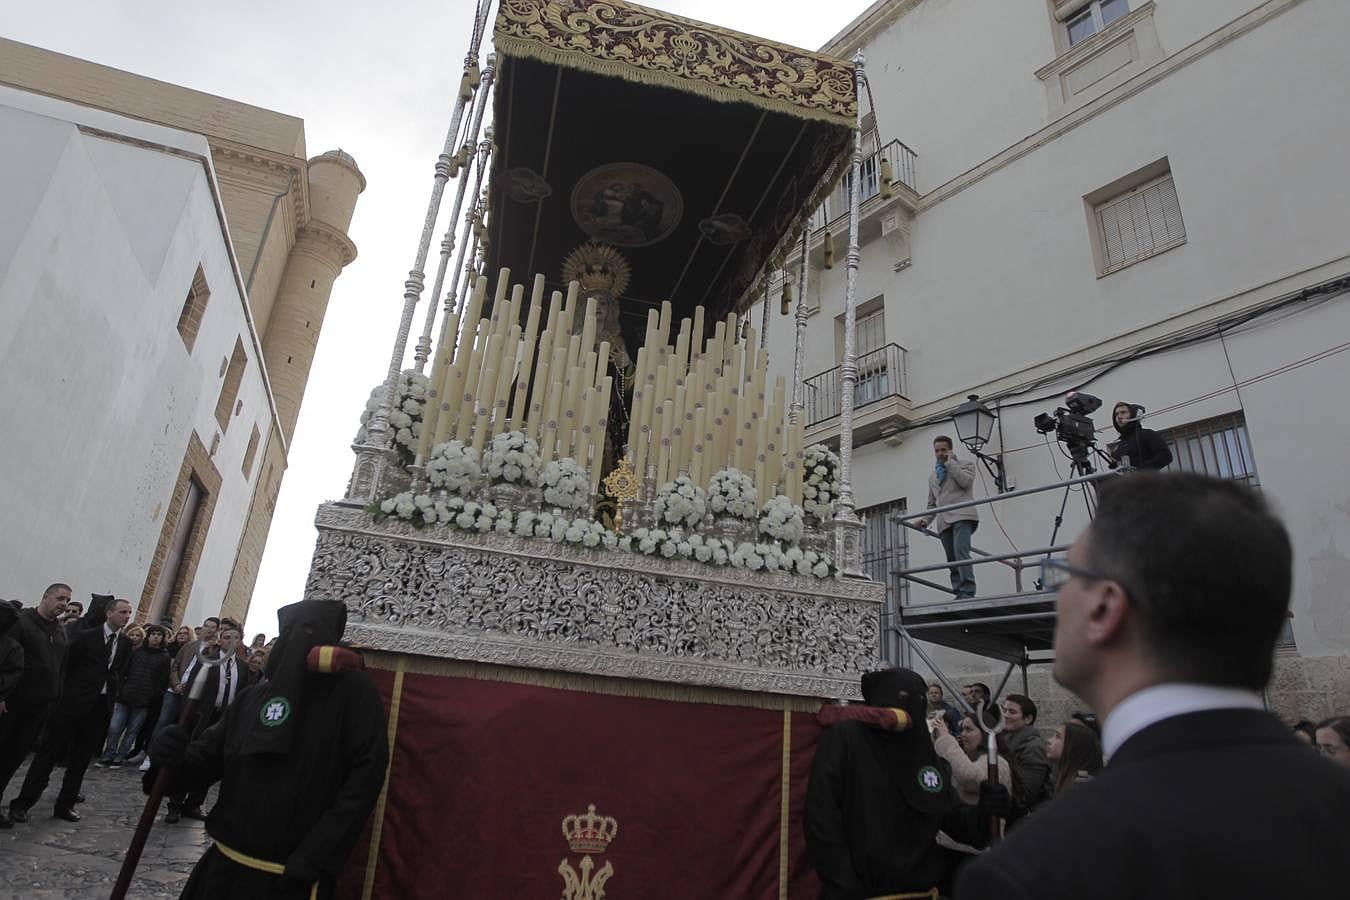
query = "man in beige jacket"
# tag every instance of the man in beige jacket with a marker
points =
(952, 481)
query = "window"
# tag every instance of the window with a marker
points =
(250, 452)
(1136, 217)
(1217, 447)
(1083, 20)
(194, 307)
(229, 390)
(884, 547)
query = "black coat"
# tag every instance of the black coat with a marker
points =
(88, 671)
(1145, 448)
(870, 829)
(147, 677)
(1223, 803)
(44, 654)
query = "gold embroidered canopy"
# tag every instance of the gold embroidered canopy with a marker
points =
(692, 154)
(625, 40)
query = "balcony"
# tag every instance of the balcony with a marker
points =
(884, 211)
(880, 406)
(902, 162)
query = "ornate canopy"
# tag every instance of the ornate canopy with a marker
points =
(694, 151)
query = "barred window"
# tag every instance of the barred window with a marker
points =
(1142, 222)
(884, 549)
(1218, 447)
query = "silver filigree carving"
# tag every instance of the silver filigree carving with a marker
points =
(534, 603)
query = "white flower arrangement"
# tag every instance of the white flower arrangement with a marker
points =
(731, 492)
(405, 416)
(475, 516)
(565, 485)
(512, 458)
(454, 467)
(820, 484)
(782, 521)
(681, 502)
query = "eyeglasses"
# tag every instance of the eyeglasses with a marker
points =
(1055, 573)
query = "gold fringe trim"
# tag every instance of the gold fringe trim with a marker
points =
(377, 828)
(784, 800)
(508, 45)
(589, 684)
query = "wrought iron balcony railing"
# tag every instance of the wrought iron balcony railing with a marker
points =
(881, 376)
(902, 161)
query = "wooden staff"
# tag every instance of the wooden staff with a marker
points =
(161, 783)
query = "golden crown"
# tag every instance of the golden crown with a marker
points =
(589, 833)
(598, 267)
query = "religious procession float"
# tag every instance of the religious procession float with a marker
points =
(601, 583)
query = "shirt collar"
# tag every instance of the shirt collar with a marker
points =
(1163, 701)
(107, 632)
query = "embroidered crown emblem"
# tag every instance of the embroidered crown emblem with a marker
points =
(589, 833)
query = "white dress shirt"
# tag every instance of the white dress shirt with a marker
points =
(228, 680)
(111, 651)
(1163, 701)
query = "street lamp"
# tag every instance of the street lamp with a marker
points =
(974, 425)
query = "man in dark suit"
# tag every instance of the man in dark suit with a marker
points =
(96, 665)
(1169, 607)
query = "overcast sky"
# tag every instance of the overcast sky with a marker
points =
(377, 80)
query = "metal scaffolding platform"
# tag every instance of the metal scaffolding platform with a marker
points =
(1016, 628)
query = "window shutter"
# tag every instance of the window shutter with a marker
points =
(1142, 223)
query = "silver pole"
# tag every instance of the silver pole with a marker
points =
(847, 526)
(423, 351)
(799, 341)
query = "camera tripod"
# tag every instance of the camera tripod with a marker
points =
(1080, 465)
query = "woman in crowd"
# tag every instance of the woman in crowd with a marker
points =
(1076, 753)
(1027, 749)
(180, 640)
(135, 634)
(257, 662)
(1307, 732)
(1333, 739)
(966, 755)
(146, 679)
(259, 642)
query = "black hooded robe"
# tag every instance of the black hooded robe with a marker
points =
(876, 801)
(301, 802)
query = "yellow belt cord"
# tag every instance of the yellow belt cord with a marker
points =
(930, 894)
(263, 865)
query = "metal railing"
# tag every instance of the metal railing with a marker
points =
(881, 375)
(902, 160)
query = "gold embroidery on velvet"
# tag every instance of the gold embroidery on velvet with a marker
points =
(587, 834)
(629, 41)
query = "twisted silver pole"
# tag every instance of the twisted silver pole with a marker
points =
(423, 351)
(799, 338)
(847, 526)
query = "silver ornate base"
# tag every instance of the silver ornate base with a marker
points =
(537, 604)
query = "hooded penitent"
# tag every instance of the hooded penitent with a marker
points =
(879, 793)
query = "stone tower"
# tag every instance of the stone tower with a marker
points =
(321, 249)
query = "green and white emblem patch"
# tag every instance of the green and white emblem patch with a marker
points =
(930, 779)
(274, 712)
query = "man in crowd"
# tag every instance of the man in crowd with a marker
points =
(312, 742)
(879, 793)
(1029, 763)
(180, 675)
(952, 481)
(1138, 447)
(39, 633)
(937, 705)
(223, 684)
(95, 668)
(1168, 610)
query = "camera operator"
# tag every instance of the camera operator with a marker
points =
(1138, 447)
(952, 481)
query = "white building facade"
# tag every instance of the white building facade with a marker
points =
(1142, 199)
(130, 368)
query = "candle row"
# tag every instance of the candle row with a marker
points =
(700, 406)
(499, 376)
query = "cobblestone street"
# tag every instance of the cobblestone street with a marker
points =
(49, 858)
